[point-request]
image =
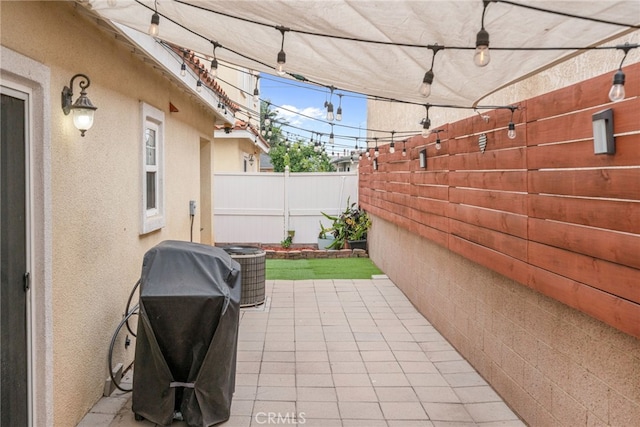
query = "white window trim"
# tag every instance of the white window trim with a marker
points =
(152, 219)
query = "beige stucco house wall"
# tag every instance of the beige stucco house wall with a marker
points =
(86, 192)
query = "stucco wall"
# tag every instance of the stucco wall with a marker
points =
(551, 363)
(230, 152)
(96, 187)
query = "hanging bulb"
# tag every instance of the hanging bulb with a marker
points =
(282, 59)
(404, 151)
(214, 68)
(511, 133)
(183, 69)
(199, 86)
(392, 147)
(331, 138)
(376, 152)
(154, 27)
(426, 124)
(339, 114)
(269, 133)
(481, 57)
(267, 121)
(438, 144)
(425, 87)
(256, 96)
(330, 116)
(617, 93)
(368, 154)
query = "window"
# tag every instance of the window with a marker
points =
(153, 215)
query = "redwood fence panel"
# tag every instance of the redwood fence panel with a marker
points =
(542, 208)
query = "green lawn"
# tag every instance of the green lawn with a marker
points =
(321, 268)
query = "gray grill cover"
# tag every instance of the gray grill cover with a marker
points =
(187, 334)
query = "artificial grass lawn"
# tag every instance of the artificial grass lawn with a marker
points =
(320, 268)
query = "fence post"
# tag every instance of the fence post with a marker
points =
(286, 201)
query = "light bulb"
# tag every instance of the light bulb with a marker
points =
(481, 57)
(404, 152)
(282, 59)
(438, 144)
(256, 96)
(330, 115)
(617, 93)
(183, 69)
(214, 68)
(339, 114)
(426, 124)
(154, 29)
(376, 153)
(267, 121)
(368, 154)
(425, 87)
(331, 138)
(511, 133)
(425, 132)
(199, 86)
(392, 147)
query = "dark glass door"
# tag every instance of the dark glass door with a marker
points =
(13, 267)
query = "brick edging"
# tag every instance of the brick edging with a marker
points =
(317, 253)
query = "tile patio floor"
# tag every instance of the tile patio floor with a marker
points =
(343, 353)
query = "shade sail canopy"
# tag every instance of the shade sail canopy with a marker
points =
(393, 67)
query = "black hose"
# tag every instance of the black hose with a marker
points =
(124, 321)
(129, 305)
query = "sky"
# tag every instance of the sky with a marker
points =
(289, 97)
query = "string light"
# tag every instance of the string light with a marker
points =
(404, 148)
(256, 92)
(481, 57)
(199, 84)
(154, 28)
(339, 112)
(511, 132)
(183, 69)
(376, 152)
(214, 61)
(438, 142)
(282, 57)
(425, 87)
(329, 105)
(331, 136)
(426, 123)
(617, 92)
(392, 144)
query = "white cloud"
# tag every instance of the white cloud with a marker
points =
(298, 117)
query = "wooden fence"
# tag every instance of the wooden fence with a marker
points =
(542, 208)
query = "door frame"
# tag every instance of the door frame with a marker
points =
(22, 74)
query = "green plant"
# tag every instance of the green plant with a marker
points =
(352, 224)
(324, 231)
(286, 243)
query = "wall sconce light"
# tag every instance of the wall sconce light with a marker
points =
(422, 155)
(251, 159)
(603, 140)
(375, 164)
(83, 109)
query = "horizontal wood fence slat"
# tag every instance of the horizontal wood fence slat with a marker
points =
(542, 208)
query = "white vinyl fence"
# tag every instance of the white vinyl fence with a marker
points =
(262, 207)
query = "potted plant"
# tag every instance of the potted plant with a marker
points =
(325, 238)
(350, 226)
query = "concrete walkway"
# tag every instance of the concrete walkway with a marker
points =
(343, 353)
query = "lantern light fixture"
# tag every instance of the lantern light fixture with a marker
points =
(83, 110)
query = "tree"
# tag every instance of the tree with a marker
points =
(298, 155)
